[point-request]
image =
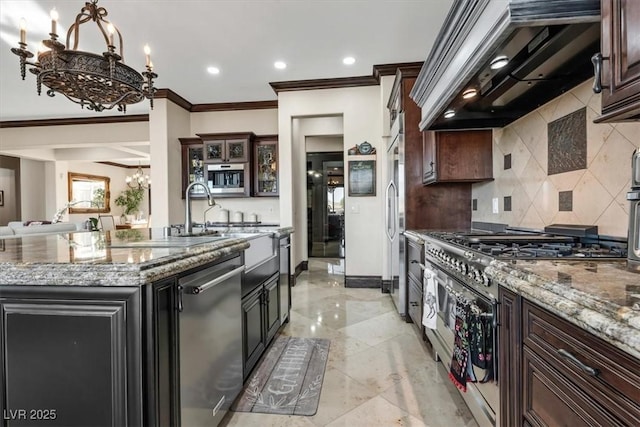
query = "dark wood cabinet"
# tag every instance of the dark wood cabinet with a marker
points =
(555, 373)
(424, 205)
(265, 166)
(71, 356)
(260, 321)
(253, 332)
(457, 156)
(620, 44)
(192, 165)
(161, 353)
(226, 147)
(509, 357)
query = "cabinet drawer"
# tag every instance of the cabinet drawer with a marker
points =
(415, 302)
(549, 399)
(614, 381)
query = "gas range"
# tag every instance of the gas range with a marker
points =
(465, 255)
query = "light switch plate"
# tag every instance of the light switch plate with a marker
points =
(496, 205)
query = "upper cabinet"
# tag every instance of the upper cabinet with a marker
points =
(265, 166)
(226, 147)
(620, 61)
(457, 156)
(192, 164)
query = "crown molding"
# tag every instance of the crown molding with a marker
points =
(409, 68)
(74, 121)
(234, 106)
(173, 97)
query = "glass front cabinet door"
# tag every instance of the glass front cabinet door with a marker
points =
(192, 165)
(265, 166)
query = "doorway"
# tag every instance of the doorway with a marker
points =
(325, 204)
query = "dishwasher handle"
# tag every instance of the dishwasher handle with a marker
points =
(210, 284)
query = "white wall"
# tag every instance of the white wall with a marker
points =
(362, 121)
(32, 175)
(324, 144)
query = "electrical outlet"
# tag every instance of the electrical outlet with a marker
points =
(496, 205)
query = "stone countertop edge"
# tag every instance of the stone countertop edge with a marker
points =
(619, 329)
(120, 274)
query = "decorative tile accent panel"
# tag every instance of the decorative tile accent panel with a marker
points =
(565, 201)
(507, 203)
(507, 161)
(598, 191)
(567, 138)
(474, 204)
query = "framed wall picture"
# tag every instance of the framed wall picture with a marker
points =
(1, 198)
(362, 178)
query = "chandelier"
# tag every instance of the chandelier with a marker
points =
(98, 82)
(139, 181)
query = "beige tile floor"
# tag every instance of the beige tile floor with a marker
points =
(379, 373)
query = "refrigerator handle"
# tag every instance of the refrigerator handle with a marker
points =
(391, 224)
(387, 211)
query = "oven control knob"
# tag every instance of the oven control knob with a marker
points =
(463, 268)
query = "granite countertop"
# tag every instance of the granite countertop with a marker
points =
(114, 258)
(602, 297)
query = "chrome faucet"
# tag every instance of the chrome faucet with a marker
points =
(188, 223)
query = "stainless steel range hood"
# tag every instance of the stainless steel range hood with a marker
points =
(548, 44)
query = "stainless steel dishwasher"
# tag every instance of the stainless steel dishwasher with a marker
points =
(210, 342)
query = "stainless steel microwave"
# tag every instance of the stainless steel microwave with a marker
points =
(228, 179)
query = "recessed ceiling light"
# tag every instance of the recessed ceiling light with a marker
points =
(213, 70)
(349, 60)
(280, 65)
(499, 62)
(469, 93)
(449, 113)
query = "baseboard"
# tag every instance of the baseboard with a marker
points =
(386, 286)
(304, 265)
(373, 282)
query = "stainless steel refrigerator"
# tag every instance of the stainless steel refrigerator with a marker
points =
(395, 219)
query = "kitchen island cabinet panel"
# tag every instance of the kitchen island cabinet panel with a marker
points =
(253, 331)
(71, 355)
(509, 357)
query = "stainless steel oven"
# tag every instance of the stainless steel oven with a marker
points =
(228, 178)
(454, 291)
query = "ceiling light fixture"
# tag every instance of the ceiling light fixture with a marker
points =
(96, 81)
(139, 181)
(280, 65)
(213, 70)
(349, 60)
(469, 93)
(499, 62)
(449, 113)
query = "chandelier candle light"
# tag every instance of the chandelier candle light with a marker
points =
(139, 180)
(99, 82)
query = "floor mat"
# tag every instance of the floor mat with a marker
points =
(288, 380)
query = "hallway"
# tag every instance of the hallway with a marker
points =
(379, 372)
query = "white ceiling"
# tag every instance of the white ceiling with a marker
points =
(241, 37)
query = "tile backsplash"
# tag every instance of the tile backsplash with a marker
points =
(597, 193)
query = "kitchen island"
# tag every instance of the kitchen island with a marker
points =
(107, 328)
